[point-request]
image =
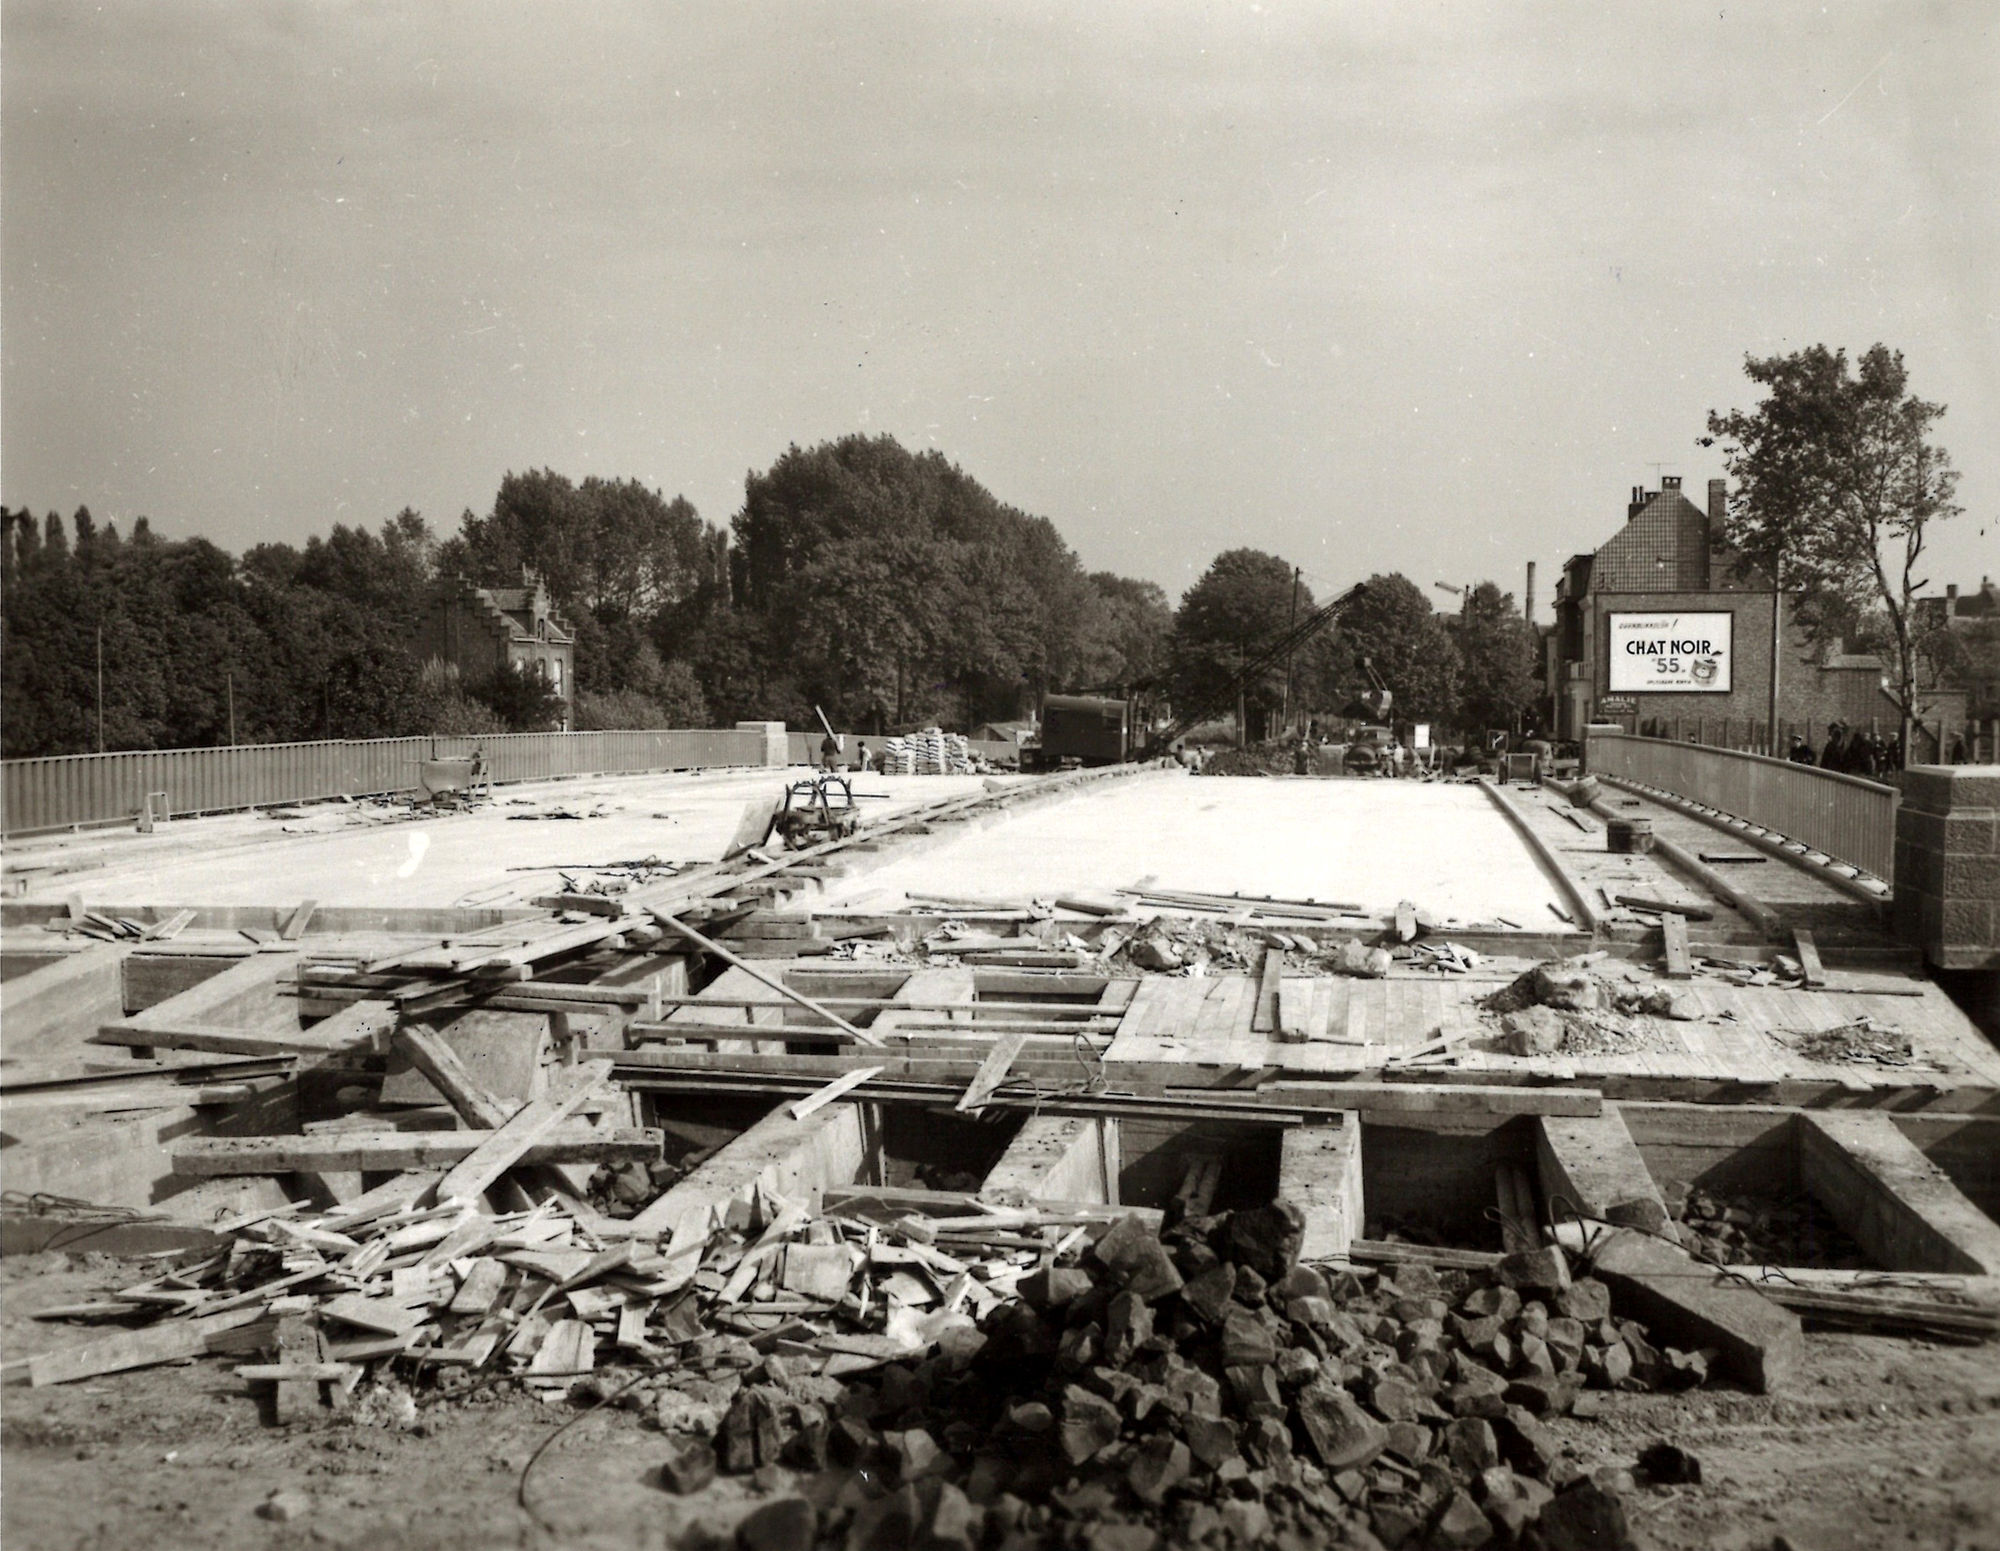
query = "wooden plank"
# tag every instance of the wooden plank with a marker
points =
(169, 1341)
(839, 1088)
(211, 1039)
(1295, 1009)
(992, 1072)
(1808, 951)
(1663, 907)
(1516, 1203)
(512, 1143)
(1264, 1016)
(1319, 1171)
(429, 1053)
(399, 1151)
(668, 920)
(296, 1400)
(1674, 930)
(295, 926)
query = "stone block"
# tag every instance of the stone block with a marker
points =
(1688, 1304)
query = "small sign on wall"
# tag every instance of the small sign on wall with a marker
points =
(1616, 705)
(1673, 653)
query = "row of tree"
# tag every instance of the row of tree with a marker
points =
(886, 587)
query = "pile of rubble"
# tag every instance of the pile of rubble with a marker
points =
(1791, 1230)
(954, 1373)
(1203, 1387)
(1569, 1007)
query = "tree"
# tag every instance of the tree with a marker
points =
(1497, 649)
(1134, 624)
(1395, 628)
(1244, 600)
(1837, 482)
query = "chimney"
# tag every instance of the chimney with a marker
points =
(1950, 593)
(1528, 605)
(1638, 502)
(1670, 481)
(1718, 502)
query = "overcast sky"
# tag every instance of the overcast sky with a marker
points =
(1416, 287)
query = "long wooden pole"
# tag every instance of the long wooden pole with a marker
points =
(861, 1036)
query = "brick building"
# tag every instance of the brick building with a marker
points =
(1664, 581)
(481, 630)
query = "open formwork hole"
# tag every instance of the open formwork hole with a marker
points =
(1439, 1185)
(1197, 1166)
(931, 1149)
(1737, 1189)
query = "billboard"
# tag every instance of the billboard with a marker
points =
(1679, 654)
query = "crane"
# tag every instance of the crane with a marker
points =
(1274, 652)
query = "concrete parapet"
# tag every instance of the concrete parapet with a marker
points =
(1947, 898)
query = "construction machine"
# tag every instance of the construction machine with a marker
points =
(1376, 699)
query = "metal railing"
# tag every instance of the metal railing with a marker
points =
(1847, 818)
(69, 790)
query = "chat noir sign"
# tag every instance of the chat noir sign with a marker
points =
(1671, 653)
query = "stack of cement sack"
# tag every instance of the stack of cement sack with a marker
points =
(930, 752)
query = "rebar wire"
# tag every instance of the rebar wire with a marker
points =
(521, 1487)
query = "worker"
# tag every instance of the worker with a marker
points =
(1802, 752)
(829, 752)
(1302, 757)
(1834, 755)
(861, 759)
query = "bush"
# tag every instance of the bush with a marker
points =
(443, 709)
(617, 710)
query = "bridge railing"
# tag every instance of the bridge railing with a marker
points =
(1847, 818)
(67, 790)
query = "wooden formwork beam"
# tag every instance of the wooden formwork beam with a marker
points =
(1319, 1171)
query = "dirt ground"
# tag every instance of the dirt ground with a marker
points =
(1885, 1444)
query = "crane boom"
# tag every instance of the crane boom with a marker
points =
(1267, 658)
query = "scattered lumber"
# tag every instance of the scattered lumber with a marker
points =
(1658, 907)
(397, 1151)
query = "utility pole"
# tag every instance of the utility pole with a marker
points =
(232, 708)
(1777, 638)
(100, 689)
(1242, 725)
(1292, 624)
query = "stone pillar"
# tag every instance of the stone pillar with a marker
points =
(1948, 865)
(776, 751)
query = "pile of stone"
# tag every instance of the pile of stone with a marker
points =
(1568, 1007)
(1790, 1230)
(1200, 1387)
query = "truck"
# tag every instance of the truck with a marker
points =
(1080, 730)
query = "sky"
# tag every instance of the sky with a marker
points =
(1417, 287)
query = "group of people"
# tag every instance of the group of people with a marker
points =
(1850, 751)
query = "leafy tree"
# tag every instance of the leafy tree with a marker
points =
(1394, 626)
(1497, 649)
(1836, 484)
(1134, 624)
(604, 545)
(523, 700)
(1242, 602)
